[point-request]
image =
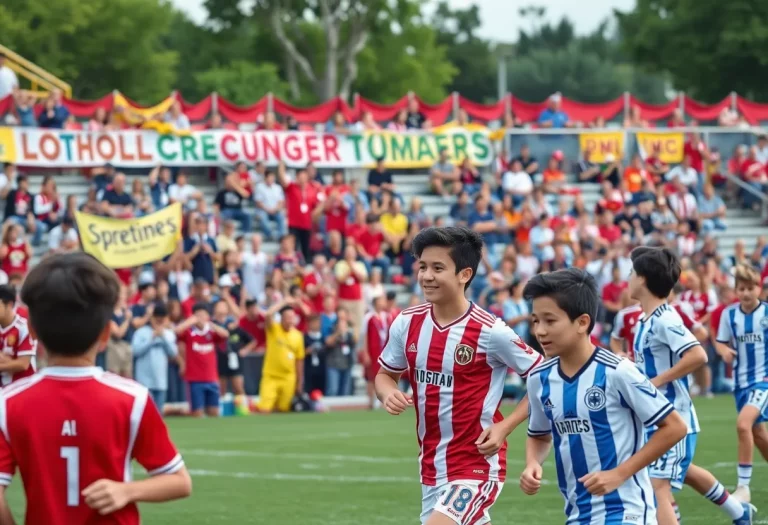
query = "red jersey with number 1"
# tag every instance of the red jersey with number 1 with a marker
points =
(87, 425)
(457, 372)
(16, 342)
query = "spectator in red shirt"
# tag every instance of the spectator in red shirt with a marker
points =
(302, 199)
(612, 294)
(350, 276)
(254, 324)
(200, 293)
(697, 150)
(336, 207)
(609, 232)
(370, 245)
(301, 306)
(315, 282)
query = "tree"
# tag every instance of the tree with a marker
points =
(472, 56)
(95, 45)
(243, 82)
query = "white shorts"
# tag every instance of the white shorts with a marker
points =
(467, 502)
(673, 465)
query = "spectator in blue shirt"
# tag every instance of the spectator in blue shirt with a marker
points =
(553, 116)
(153, 345)
(200, 249)
(54, 114)
(711, 210)
(482, 220)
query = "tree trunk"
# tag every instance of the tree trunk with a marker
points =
(292, 77)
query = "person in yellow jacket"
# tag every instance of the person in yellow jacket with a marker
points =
(282, 375)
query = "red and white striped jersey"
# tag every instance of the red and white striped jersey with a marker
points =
(687, 314)
(65, 428)
(16, 342)
(625, 324)
(457, 374)
(702, 303)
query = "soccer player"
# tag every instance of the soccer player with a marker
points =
(17, 359)
(198, 340)
(592, 405)
(456, 356)
(667, 353)
(282, 374)
(741, 341)
(73, 429)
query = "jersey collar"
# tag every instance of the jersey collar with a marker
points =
(72, 371)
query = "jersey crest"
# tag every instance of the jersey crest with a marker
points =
(595, 398)
(463, 354)
(764, 322)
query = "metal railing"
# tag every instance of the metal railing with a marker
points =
(36, 75)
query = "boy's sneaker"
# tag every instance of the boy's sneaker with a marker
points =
(746, 519)
(742, 493)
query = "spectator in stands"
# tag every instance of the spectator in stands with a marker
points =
(215, 121)
(18, 205)
(63, 238)
(511, 120)
(635, 119)
(587, 170)
(684, 205)
(664, 220)
(15, 251)
(338, 124)
(116, 202)
(443, 173)
(553, 116)
(685, 174)
(7, 179)
(481, 220)
(153, 346)
(415, 118)
(226, 240)
(46, 206)
(655, 166)
(269, 122)
(677, 120)
(270, 206)
(98, 120)
(367, 123)
(461, 210)
(400, 123)
(394, 227)
(177, 118)
(416, 214)
(314, 363)
(240, 180)
(339, 354)
(8, 79)
(379, 179)
(762, 149)
(54, 113)
(697, 150)
(119, 356)
(229, 203)
(636, 179)
(200, 249)
(303, 201)
(184, 192)
(351, 274)
(370, 246)
(553, 176)
(142, 201)
(469, 177)
(611, 170)
(530, 164)
(711, 210)
(25, 108)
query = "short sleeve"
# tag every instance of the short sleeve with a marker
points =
(618, 325)
(505, 348)
(538, 422)
(393, 357)
(724, 333)
(675, 335)
(639, 394)
(26, 346)
(154, 449)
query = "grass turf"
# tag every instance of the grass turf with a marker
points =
(353, 468)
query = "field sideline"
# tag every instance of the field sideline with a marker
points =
(359, 468)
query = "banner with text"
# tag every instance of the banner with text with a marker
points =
(600, 144)
(667, 146)
(144, 148)
(127, 243)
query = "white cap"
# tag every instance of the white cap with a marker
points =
(225, 281)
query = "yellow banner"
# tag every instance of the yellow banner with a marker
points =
(126, 243)
(7, 145)
(600, 144)
(667, 146)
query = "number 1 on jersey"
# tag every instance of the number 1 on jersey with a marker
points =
(72, 457)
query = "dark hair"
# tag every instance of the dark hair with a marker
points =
(160, 311)
(71, 298)
(250, 302)
(465, 246)
(200, 306)
(7, 294)
(285, 309)
(573, 290)
(659, 266)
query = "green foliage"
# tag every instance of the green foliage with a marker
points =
(243, 82)
(709, 48)
(95, 45)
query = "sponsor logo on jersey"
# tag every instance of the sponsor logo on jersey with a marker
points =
(411, 348)
(594, 398)
(521, 344)
(573, 426)
(549, 405)
(750, 338)
(677, 329)
(463, 354)
(429, 377)
(203, 348)
(646, 388)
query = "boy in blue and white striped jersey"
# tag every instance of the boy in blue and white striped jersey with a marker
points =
(667, 352)
(741, 340)
(595, 407)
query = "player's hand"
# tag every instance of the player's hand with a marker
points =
(4, 357)
(602, 483)
(530, 479)
(491, 440)
(106, 496)
(655, 382)
(729, 356)
(396, 402)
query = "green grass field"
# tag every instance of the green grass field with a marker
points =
(359, 468)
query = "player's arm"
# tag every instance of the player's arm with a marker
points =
(393, 364)
(684, 344)
(492, 438)
(185, 325)
(652, 408)
(539, 441)
(222, 333)
(269, 315)
(300, 354)
(724, 339)
(617, 346)
(14, 364)
(6, 518)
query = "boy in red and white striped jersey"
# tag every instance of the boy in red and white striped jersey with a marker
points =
(456, 356)
(75, 454)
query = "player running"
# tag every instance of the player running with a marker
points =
(593, 405)
(456, 356)
(74, 453)
(666, 352)
(744, 327)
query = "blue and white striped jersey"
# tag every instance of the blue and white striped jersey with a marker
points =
(597, 420)
(661, 339)
(747, 334)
